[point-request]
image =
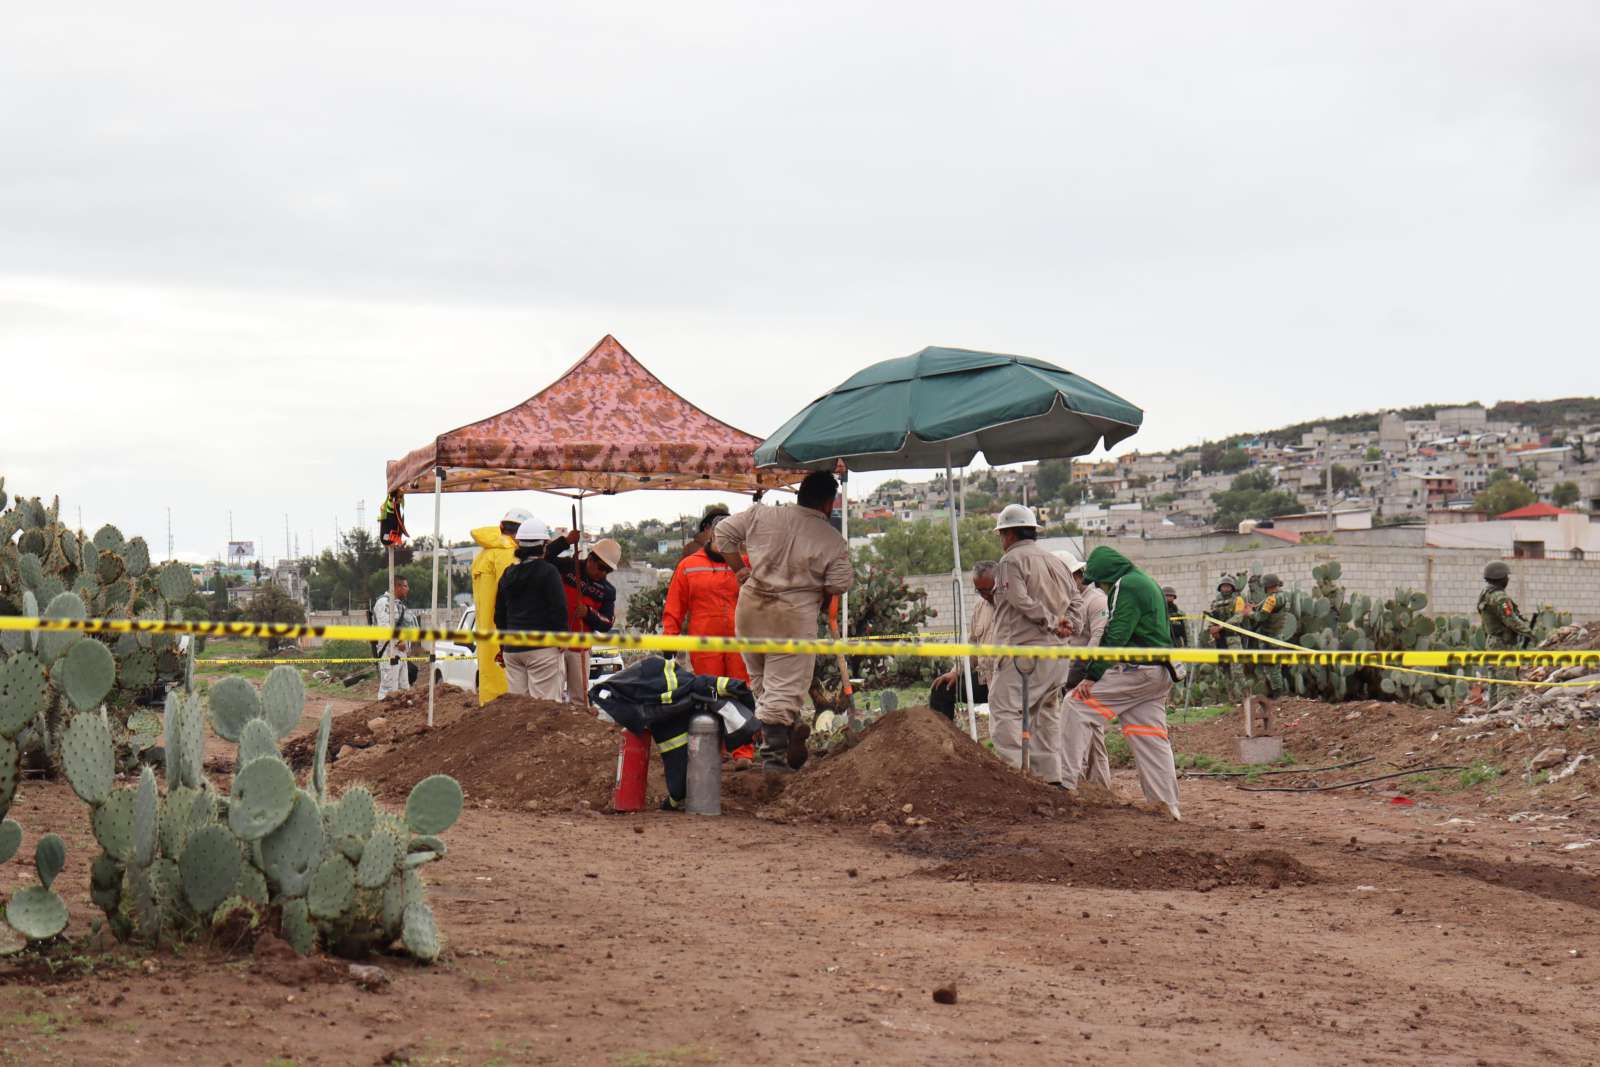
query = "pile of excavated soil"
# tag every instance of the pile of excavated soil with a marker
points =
(512, 752)
(382, 722)
(1574, 638)
(913, 757)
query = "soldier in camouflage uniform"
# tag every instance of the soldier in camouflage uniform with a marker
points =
(1229, 606)
(1268, 619)
(1504, 628)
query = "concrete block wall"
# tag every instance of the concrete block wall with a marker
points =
(1451, 577)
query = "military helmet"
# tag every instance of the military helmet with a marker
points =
(1168, 591)
(1497, 572)
(1227, 580)
(1272, 581)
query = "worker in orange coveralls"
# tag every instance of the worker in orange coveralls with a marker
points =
(700, 602)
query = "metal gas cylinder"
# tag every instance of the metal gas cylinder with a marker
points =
(704, 795)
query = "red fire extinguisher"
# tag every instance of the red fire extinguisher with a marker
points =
(633, 769)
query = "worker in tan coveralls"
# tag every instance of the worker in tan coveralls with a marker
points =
(1132, 692)
(1035, 603)
(797, 560)
(1085, 750)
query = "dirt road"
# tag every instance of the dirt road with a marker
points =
(669, 939)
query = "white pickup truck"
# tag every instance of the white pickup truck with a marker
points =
(463, 673)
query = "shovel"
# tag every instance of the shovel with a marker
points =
(1027, 719)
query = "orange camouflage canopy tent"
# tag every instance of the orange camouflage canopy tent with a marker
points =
(606, 426)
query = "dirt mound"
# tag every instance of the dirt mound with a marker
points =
(1123, 867)
(382, 721)
(913, 756)
(512, 752)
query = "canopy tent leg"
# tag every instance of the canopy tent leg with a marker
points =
(961, 612)
(433, 593)
(852, 714)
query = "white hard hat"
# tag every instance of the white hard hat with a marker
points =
(1015, 515)
(518, 516)
(609, 551)
(532, 532)
(1074, 564)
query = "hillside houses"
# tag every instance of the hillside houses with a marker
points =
(1404, 470)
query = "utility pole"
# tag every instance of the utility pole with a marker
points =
(361, 513)
(1327, 483)
(288, 545)
(169, 533)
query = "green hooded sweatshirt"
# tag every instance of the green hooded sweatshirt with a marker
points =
(1138, 611)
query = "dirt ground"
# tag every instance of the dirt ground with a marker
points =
(1286, 928)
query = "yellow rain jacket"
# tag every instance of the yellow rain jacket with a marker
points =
(499, 552)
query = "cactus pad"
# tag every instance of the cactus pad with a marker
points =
(319, 768)
(417, 859)
(234, 702)
(105, 883)
(378, 859)
(49, 856)
(290, 853)
(113, 825)
(109, 567)
(283, 698)
(30, 568)
(352, 848)
(434, 805)
(298, 929)
(256, 740)
(175, 809)
(88, 756)
(36, 913)
(420, 933)
(22, 692)
(10, 839)
(192, 722)
(137, 670)
(61, 606)
(428, 843)
(356, 814)
(263, 794)
(10, 771)
(333, 888)
(136, 556)
(209, 867)
(174, 582)
(253, 885)
(108, 538)
(146, 819)
(85, 674)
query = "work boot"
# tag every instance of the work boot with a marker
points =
(774, 748)
(796, 752)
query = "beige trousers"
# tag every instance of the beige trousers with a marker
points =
(1138, 698)
(781, 682)
(1044, 715)
(1084, 749)
(575, 675)
(534, 672)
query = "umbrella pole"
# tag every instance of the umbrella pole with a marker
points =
(433, 593)
(961, 614)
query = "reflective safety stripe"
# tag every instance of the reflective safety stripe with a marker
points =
(670, 669)
(664, 747)
(1104, 711)
(724, 569)
(1144, 731)
(722, 686)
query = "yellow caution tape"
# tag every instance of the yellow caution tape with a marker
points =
(327, 659)
(1405, 670)
(811, 646)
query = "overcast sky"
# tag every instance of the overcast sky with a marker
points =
(250, 252)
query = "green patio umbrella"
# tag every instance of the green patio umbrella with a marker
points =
(940, 407)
